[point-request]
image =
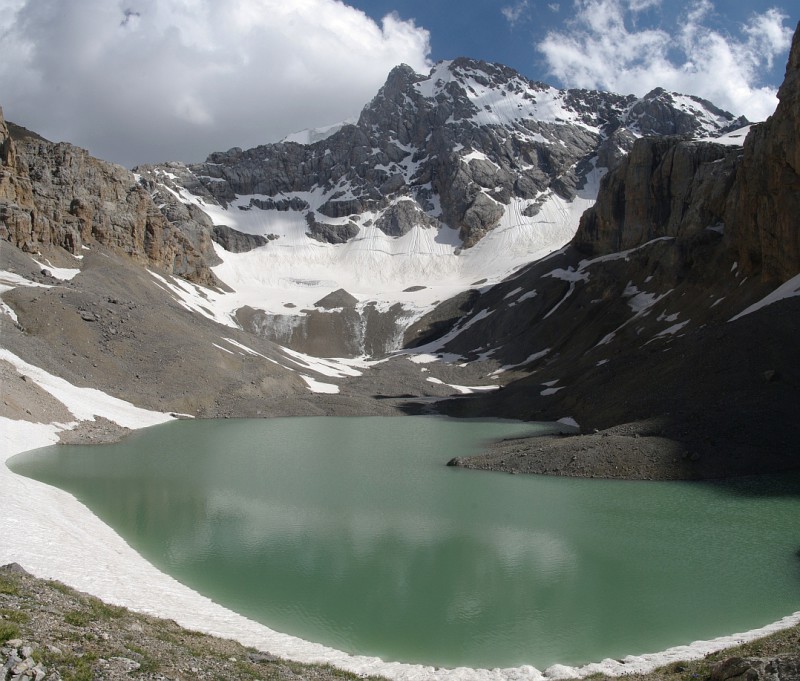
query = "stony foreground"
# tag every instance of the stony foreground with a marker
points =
(50, 632)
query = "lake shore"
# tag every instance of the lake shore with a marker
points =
(52, 535)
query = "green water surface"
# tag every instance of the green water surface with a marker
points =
(353, 533)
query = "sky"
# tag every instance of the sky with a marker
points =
(145, 81)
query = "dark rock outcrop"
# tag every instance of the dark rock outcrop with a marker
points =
(330, 233)
(783, 668)
(336, 299)
(235, 241)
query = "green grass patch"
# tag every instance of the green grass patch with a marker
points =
(59, 586)
(104, 611)
(74, 668)
(78, 618)
(8, 631)
(14, 615)
(8, 585)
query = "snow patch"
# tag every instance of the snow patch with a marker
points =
(9, 280)
(788, 289)
(316, 386)
(314, 135)
(63, 273)
(672, 330)
(86, 403)
(333, 368)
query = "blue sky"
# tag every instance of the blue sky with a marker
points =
(138, 81)
(508, 31)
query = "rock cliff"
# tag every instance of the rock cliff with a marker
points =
(671, 187)
(59, 195)
(763, 210)
(660, 325)
(665, 187)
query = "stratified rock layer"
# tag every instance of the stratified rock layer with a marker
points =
(59, 195)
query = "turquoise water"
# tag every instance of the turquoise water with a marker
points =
(353, 533)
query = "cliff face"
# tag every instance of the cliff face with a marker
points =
(655, 322)
(675, 188)
(763, 211)
(59, 195)
(663, 188)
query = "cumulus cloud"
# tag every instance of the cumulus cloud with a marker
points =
(149, 80)
(600, 50)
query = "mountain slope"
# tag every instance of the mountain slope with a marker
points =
(457, 177)
(671, 317)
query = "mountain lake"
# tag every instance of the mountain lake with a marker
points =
(353, 533)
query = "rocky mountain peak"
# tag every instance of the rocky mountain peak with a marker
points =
(471, 143)
(669, 113)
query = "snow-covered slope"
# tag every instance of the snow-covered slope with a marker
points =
(447, 181)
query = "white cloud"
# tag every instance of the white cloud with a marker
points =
(599, 50)
(513, 13)
(149, 80)
(641, 5)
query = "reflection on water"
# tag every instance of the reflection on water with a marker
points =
(352, 532)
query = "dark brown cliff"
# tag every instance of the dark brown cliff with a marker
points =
(665, 187)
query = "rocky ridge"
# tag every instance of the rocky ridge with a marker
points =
(452, 148)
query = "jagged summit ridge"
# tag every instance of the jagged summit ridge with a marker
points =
(464, 143)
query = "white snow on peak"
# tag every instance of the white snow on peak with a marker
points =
(439, 76)
(313, 135)
(734, 138)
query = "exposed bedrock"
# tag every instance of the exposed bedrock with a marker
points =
(58, 195)
(763, 210)
(337, 327)
(459, 145)
(666, 187)
(645, 329)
